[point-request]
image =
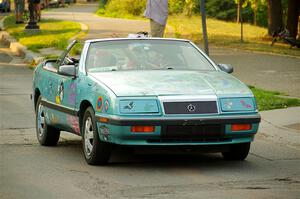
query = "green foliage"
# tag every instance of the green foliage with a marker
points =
(176, 6)
(102, 3)
(189, 7)
(262, 15)
(221, 9)
(53, 33)
(268, 100)
(123, 7)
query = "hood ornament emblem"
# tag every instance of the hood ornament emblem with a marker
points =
(129, 106)
(191, 108)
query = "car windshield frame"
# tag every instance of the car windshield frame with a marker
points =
(209, 64)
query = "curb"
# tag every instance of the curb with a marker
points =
(18, 49)
(2, 23)
(84, 29)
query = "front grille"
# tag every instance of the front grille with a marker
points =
(173, 140)
(200, 107)
(193, 132)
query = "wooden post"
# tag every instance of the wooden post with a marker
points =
(241, 20)
(204, 30)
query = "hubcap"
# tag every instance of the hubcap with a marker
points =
(41, 121)
(88, 137)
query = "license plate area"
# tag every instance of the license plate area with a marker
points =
(193, 131)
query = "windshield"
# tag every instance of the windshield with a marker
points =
(144, 55)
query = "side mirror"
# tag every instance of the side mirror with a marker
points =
(226, 68)
(67, 70)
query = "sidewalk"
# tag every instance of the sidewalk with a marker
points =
(281, 126)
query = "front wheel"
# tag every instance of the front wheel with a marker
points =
(96, 152)
(46, 135)
(237, 151)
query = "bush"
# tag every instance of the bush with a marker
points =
(102, 3)
(176, 6)
(262, 16)
(125, 7)
(221, 9)
(136, 7)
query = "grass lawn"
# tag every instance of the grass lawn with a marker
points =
(220, 33)
(268, 100)
(53, 33)
(227, 34)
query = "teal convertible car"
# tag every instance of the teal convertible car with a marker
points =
(143, 92)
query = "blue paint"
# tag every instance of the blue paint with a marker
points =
(237, 104)
(138, 106)
(135, 94)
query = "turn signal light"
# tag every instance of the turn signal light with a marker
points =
(103, 119)
(241, 127)
(142, 129)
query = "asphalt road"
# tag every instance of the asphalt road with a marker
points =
(28, 170)
(267, 71)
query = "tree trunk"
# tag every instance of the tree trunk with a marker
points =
(255, 7)
(292, 17)
(238, 12)
(275, 22)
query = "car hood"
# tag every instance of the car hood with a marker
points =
(162, 83)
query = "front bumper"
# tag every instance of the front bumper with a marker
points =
(117, 130)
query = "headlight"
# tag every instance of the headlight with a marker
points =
(237, 104)
(138, 106)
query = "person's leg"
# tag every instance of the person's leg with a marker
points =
(157, 30)
(21, 10)
(16, 12)
(38, 11)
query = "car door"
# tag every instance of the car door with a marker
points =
(64, 89)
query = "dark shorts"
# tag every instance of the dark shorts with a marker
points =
(36, 1)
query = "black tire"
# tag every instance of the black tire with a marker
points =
(237, 152)
(96, 152)
(46, 135)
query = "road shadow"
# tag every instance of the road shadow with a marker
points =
(129, 158)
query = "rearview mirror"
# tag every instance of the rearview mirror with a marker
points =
(226, 68)
(67, 70)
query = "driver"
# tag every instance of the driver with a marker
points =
(144, 56)
(103, 58)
